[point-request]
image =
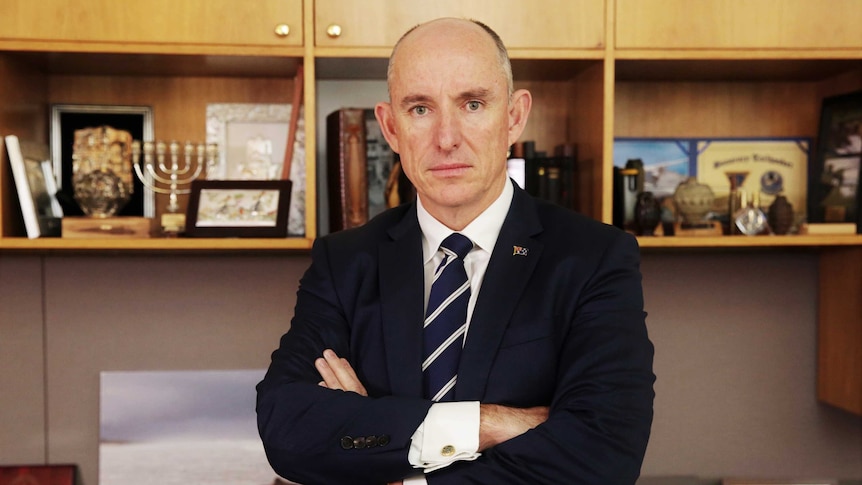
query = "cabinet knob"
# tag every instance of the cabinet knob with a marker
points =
(282, 30)
(333, 31)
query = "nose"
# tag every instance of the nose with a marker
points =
(449, 134)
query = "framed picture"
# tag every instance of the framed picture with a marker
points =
(34, 181)
(66, 118)
(834, 176)
(238, 208)
(189, 416)
(738, 481)
(39, 475)
(252, 140)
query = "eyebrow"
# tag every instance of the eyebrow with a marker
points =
(478, 93)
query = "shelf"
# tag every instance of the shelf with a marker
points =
(208, 245)
(354, 64)
(293, 244)
(140, 64)
(720, 242)
(679, 67)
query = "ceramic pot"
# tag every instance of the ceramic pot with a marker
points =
(693, 201)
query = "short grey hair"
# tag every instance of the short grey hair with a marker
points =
(502, 56)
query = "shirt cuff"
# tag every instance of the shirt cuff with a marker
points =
(449, 433)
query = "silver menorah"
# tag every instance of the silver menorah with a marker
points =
(164, 164)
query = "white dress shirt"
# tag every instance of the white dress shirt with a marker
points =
(450, 431)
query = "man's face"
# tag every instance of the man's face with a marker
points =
(449, 118)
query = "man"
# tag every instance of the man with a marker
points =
(552, 377)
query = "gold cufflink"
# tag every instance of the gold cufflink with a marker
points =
(448, 450)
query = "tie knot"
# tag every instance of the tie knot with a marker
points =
(458, 244)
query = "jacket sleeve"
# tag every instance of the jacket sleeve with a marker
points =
(314, 435)
(601, 412)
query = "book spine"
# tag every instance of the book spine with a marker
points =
(347, 169)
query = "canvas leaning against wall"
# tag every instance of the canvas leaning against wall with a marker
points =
(181, 427)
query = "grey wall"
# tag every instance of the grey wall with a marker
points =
(735, 337)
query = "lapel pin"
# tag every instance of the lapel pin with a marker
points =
(519, 251)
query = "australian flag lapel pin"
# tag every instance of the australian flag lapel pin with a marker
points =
(519, 251)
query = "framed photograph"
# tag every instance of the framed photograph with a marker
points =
(667, 162)
(66, 118)
(252, 140)
(238, 208)
(36, 186)
(39, 475)
(834, 176)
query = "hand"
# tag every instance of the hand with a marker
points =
(500, 423)
(337, 373)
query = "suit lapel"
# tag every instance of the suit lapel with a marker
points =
(402, 302)
(507, 275)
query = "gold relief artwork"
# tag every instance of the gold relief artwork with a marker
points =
(102, 170)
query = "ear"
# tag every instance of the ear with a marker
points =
(386, 120)
(519, 111)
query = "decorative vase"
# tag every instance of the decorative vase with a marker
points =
(693, 201)
(780, 215)
(647, 213)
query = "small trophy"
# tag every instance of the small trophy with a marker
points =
(164, 165)
(101, 170)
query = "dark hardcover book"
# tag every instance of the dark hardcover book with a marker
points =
(554, 183)
(379, 159)
(347, 175)
(567, 155)
(532, 168)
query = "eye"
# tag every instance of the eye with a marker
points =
(420, 110)
(473, 105)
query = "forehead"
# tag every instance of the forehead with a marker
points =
(447, 56)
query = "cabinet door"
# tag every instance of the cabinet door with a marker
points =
(551, 24)
(738, 24)
(213, 22)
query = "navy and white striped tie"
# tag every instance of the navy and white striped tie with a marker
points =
(446, 320)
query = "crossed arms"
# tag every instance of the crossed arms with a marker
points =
(579, 411)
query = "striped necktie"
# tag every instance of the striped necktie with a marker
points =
(446, 320)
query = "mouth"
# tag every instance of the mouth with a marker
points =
(449, 169)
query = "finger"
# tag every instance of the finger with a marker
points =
(341, 369)
(344, 373)
(330, 380)
(357, 384)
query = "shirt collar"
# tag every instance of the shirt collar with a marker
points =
(483, 230)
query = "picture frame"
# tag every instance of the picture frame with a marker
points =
(66, 474)
(66, 118)
(238, 208)
(834, 176)
(754, 481)
(252, 139)
(36, 186)
(190, 417)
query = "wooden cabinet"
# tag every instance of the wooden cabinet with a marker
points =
(554, 24)
(598, 69)
(738, 24)
(213, 22)
(839, 336)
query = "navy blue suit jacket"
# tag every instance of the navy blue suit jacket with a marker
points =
(560, 326)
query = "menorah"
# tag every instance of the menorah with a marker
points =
(164, 165)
